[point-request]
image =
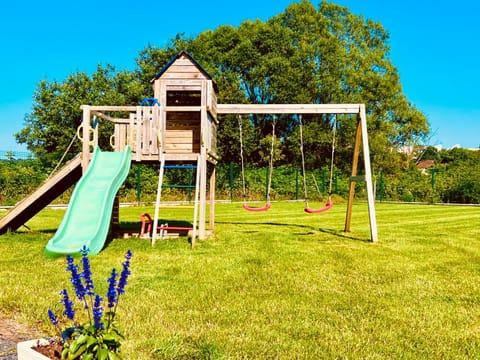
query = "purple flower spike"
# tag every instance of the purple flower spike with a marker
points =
(97, 313)
(112, 293)
(53, 318)
(87, 272)
(75, 278)
(69, 311)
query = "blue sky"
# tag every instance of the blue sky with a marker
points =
(434, 45)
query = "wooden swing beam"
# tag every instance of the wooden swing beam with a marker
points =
(361, 138)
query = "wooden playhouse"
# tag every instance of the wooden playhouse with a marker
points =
(177, 126)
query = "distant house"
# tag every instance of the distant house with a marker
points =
(424, 165)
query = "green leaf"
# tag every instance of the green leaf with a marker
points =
(79, 351)
(91, 340)
(102, 354)
(113, 356)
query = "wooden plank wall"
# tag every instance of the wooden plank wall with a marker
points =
(121, 136)
(213, 137)
(182, 133)
(183, 68)
(211, 100)
(149, 129)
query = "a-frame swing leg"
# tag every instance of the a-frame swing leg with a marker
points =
(362, 138)
(353, 177)
(368, 176)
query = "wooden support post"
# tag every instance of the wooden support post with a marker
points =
(203, 193)
(195, 207)
(86, 138)
(158, 128)
(115, 220)
(138, 133)
(212, 198)
(351, 191)
(203, 163)
(162, 128)
(96, 122)
(132, 137)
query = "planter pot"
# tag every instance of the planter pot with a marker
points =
(25, 351)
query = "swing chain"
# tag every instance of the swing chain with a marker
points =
(334, 129)
(272, 152)
(334, 132)
(269, 186)
(303, 159)
(242, 160)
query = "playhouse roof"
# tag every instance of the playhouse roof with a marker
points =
(179, 55)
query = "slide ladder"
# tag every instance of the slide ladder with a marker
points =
(163, 229)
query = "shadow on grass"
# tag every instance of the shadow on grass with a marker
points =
(308, 230)
(138, 224)
(342, 235)
(301, 230)
(34, 231)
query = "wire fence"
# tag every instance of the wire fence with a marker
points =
(286, 184)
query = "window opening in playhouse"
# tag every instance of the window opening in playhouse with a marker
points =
(184, 98)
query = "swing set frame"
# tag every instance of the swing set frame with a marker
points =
(361, 143)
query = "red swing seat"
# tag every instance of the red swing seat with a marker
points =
(257, 209)
(327, 207)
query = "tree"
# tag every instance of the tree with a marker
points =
(56, 114)
(308, 55)
(303, 55)
(429, 153)
(460, 176)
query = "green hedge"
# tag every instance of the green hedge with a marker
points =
(451, 183)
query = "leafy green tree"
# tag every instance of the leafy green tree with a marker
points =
(459, 178)
(18, 178)
(309, 55)
(56, 114)
(429, 153)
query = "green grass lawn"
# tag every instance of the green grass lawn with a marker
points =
(282, 284)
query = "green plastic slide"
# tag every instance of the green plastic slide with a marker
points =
(87, 219)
